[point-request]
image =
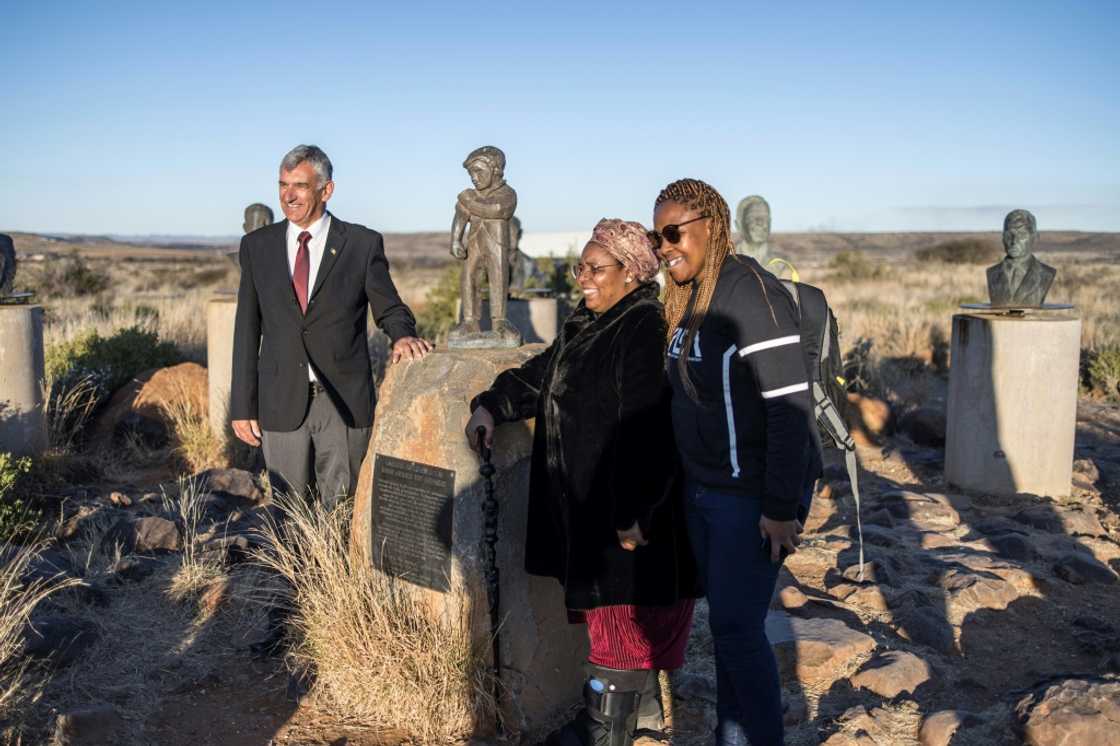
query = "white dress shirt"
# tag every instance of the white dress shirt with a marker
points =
(315, 247)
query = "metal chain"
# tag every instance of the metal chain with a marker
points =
(490, 560)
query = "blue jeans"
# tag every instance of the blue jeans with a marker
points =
(739, 580)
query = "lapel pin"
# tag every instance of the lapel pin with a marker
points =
(333, 252)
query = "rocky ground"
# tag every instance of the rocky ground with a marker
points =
(979, 620)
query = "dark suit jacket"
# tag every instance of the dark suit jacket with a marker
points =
(274, 342)
(1032, 289)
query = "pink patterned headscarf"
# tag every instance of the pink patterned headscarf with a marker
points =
(627, 242)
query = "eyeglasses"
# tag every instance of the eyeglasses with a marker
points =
(577, 270)
(671, 233)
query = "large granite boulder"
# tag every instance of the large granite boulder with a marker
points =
(1083, 710)
(815, 651)
(142, 405)
(422, 411)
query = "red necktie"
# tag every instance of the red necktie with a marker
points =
(302, 270)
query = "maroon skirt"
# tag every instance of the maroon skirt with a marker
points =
(637, 637)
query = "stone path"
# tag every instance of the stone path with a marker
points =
(979, 620)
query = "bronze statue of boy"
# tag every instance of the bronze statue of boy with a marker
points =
(483, 214)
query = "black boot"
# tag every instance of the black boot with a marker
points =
(610, 710)
(651, 710)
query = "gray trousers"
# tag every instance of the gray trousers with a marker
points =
(322, 453)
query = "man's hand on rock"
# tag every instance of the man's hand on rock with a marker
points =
(410, 348)
(248, 431)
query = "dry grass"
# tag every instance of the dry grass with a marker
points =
(377, 654)
(159, 636)
(178, 317)
(917, 301)
(168, 297)
(196, 572)
(69, 410)
(895, 328)
(20, 684)
(196, 445)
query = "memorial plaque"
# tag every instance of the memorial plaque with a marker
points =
(412, 511)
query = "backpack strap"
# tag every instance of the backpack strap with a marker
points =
(853, 477)
(791, 286)
(779, 263)
(825, 411)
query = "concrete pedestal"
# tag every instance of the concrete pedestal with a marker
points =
(422, 411)
(23, 422)
(1012, 406)
(220, 313)
(538, 319)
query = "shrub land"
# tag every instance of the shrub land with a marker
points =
(377, 656)
(961, 251)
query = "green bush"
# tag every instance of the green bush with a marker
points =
(558, 276)
(1104, 371)
(855, 265)
(98, 366)
(440, 305)
(69, 277)
(960, 251)
(18, 517)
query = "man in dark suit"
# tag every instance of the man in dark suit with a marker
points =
(302, 384)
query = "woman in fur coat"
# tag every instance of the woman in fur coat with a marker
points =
(605, 512)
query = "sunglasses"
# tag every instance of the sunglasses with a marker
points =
(577, 270)
(670, 233)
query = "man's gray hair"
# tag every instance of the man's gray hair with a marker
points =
(312, 154)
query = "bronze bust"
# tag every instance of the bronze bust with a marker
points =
(483, 213)
(7, 265)
(257, 216)
(752, 218)
(1020, 280)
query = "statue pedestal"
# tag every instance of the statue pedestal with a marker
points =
(1012, 406)
(220, 313)
(538, 319)
(422, 411)
(23, 422)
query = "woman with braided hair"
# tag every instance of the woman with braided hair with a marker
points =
(742, 420)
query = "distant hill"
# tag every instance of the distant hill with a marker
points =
(431, 248)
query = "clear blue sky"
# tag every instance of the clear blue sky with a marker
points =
(144, 117)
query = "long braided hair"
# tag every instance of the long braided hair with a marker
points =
(698, 195)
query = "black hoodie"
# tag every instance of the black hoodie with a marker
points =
(749, 428)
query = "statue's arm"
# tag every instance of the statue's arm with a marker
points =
(499, 205)
(458, 227)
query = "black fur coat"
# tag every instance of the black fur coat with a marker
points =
(603, 457)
